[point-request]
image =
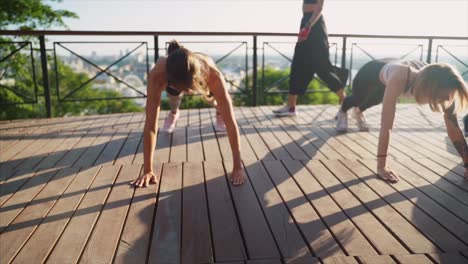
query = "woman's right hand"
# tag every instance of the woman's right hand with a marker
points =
(387, 175)
(145, 180)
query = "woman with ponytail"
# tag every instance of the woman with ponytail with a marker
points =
(183, 71)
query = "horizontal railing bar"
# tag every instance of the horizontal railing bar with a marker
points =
(201, 33)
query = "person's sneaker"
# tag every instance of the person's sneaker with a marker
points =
(285, 110)
(219, 126)
(342, 121)
(170, 122)
(360, 120)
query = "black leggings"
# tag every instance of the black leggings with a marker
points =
(312, 56)
(367, 89)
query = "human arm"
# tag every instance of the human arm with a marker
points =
(155, 86)
(224, 106)
(394, 87)
(317, 12)
(456, 136)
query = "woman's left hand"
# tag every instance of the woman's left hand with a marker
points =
(237, 176)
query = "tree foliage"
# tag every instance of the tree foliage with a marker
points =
(31, 14)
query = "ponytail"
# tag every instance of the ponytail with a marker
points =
(173, 46)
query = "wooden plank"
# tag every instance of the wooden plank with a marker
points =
(163, 146)
(447, 172)
(29, 151)
(178, 145)
(444, 187)
(92, 153)
(261, 150)
(452, 258)
(290, 145)
(315, 231)
(210, 144)
(129, 149)
(196, 239)
(194, 144)
(22, 146)
(41, 153)
(74, 237)
(43, 239)
(65, 147)
(227, 239)
(112, 148)
(413, 259)
(14, 183)
(257, 235)
(344, 230)
(193, 117)
(285, 231)
(134, 242)
(15, 205)
(431, 202)
(76, 151)
(310, 149)
(318, 143)
(301, 261)
(268, 261)
(428, 226)
(273, 144)
(358, 210)
(104, 240)
(247, 153)
(339, 260)
(376, 260)
(19, 230)
(166, 244)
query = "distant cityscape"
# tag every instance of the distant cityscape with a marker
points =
(133, 70)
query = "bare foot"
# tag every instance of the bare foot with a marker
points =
(145, 180)
(237, 176)
(388, 175)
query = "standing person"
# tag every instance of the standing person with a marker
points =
(188, 72)
(439, 85)
(311, 55)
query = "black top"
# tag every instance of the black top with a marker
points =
(310, 1)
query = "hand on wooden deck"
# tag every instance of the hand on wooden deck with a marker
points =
(388, 175)
(145, 180)
(237, 176)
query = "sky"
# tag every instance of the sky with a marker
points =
(382, 17)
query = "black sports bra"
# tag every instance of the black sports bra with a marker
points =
(310, 1)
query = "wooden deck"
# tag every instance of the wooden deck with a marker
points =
(311, 194)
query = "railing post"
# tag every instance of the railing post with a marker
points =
(156, 49)
(45, 75)
(429, 51)
(254, 72)
(343, 54)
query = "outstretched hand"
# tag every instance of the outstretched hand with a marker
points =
(237, 176)
(145, 180)
(388, 175)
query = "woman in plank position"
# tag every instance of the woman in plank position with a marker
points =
(439, 85)
(186, 72)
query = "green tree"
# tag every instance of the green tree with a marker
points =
(31, 14)
(318, 91)
(17, 74)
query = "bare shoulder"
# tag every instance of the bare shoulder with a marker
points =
(158, 74)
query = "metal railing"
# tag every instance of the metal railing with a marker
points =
(344, 48)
